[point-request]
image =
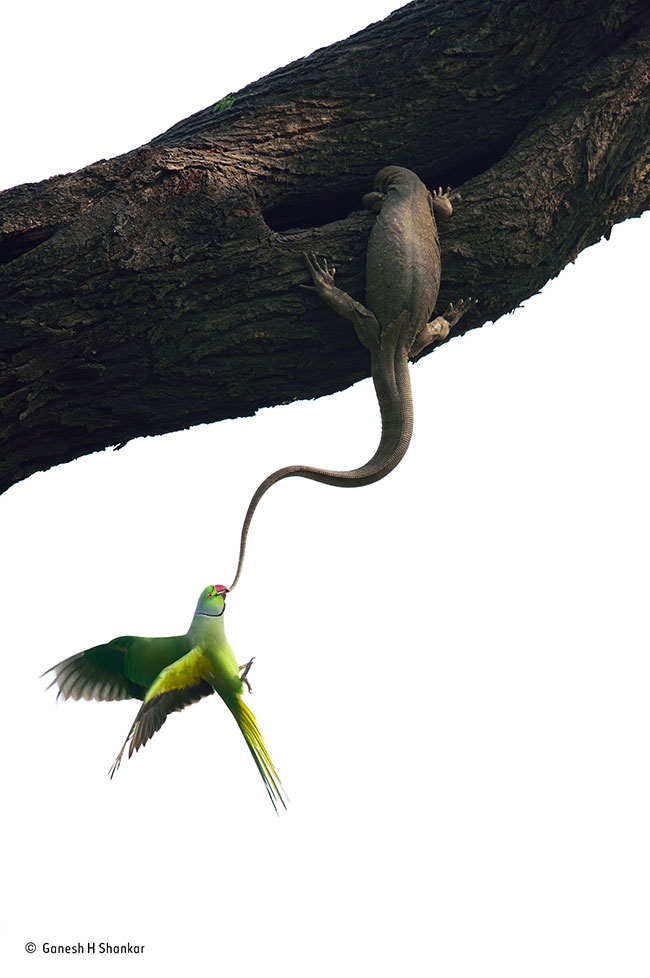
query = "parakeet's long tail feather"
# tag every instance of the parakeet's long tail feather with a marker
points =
(248, 726)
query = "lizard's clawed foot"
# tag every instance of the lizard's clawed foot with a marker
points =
(438, 329)
(454, 312)
(442, 202)
(322, 275)
(244, 674)
(452, 195)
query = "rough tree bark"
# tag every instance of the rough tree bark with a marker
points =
(160, 289)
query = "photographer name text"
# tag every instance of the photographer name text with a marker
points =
(92, 947)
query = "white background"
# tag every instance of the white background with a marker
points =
(452, 666)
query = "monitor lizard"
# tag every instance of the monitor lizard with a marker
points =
(402, 283)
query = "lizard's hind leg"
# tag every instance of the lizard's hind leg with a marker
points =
(438, 328)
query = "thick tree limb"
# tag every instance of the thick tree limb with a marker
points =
(160, 289)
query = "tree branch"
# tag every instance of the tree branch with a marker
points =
(160, 289)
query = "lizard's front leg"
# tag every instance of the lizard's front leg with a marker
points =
(438, 328)
(442, 203)
(365, 324)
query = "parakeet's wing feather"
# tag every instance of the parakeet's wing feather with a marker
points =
(97, 674)
(121, 669)
(183, 682)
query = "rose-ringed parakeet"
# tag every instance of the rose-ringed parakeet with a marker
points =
(169, 674)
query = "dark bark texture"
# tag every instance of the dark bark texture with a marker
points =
(160, 289)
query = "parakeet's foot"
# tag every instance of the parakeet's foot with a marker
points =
(246, 669)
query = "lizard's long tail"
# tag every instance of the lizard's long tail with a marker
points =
(393, 388)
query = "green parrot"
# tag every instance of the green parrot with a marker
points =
(168, 674)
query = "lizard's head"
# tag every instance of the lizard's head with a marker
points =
(398, 178)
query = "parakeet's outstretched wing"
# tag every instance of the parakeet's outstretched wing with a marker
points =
(97, 674)
(181, 683)
(121, 669)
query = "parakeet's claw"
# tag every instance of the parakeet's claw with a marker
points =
(246, 669)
